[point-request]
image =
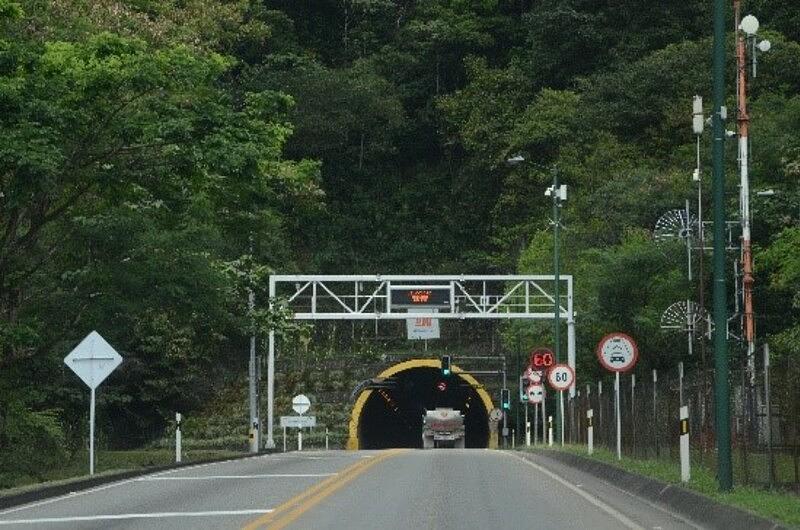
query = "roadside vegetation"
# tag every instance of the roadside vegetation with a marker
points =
(159, 159)
(779, 505)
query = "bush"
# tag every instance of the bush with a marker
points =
(31, 442)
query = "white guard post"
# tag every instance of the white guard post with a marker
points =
(178, 437)
(300, 439)
(369, 297)
(684, 426)
(550, 431)
(590, 427)
(527, 434)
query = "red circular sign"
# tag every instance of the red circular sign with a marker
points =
(617, 352)
(542, 358)
(441, 386)
(561, 377)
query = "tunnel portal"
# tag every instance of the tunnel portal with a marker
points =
(392, 416)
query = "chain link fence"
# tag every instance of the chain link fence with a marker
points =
(765, 422)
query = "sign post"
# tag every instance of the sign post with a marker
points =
(93, 360)
(561, 377)
(300, 404)
(617, 353)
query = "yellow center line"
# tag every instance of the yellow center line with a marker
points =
(290, 510)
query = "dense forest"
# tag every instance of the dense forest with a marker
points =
(158, 158)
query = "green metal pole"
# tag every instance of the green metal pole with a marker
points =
(721, 388)
(556, 306)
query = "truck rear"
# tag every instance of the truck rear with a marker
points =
(443, 427)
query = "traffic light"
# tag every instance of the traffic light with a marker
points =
(445, 365)
(505, 398)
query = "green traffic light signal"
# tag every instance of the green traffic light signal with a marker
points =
(445, 364)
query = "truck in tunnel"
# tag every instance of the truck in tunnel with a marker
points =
(443, 427)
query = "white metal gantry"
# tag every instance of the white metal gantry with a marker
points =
(370, 297)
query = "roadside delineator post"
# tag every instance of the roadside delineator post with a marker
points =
(326, 438)
(550, 431)
(527, 434)
(178, 437)
(590, 430)
(684, 432)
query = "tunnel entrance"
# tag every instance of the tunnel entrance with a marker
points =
(392, 417)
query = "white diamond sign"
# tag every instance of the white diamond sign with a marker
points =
(93, 360)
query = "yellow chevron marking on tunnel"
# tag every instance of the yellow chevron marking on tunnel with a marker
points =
(355, 417)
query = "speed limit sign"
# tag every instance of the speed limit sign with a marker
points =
(560, 377)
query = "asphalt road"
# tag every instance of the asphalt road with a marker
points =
(396, 489)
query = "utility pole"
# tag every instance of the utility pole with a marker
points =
(743, 119)
(721, 385)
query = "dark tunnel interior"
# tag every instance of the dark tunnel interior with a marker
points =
(392, 417)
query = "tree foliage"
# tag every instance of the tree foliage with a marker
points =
(160, 158)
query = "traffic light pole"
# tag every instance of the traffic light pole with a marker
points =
(721, 388)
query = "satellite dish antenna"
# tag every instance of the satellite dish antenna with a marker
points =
(675, 225)
(685, 317)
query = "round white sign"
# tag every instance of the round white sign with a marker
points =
(301, 404)
(617, 352)
(536, 394)
(560, 376)
(496, 415)
(536, 377)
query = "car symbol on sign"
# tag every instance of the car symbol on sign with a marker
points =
(617, 359)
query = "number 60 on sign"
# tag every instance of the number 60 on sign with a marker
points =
(560, 377)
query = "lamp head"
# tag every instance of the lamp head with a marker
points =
(749, 25)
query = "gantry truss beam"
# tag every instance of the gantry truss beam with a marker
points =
(367, 297)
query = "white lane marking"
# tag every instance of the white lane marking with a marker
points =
(74, 494)
(231, 477)
(120, 516)
(595, 501)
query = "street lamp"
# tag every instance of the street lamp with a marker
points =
(558, 193)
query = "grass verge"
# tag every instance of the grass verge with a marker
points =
(106, 463)
(773, 504)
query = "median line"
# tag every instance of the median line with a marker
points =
(290, 510)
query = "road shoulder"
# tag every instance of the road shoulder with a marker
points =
(699, 509)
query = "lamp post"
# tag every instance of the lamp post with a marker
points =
(559, 194)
